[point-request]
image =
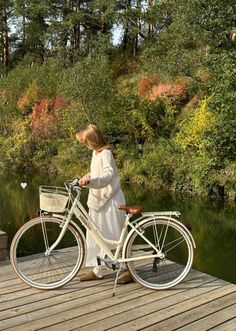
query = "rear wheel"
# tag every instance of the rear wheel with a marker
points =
(170, 239)
(46, 271)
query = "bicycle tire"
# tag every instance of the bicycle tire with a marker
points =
(172, 240)
(39, 270)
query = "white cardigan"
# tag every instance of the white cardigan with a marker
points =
(104, 179)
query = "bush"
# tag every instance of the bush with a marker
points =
(192, 173)
(88, 83)
(154, 168)
(17, 150)
(72, 159)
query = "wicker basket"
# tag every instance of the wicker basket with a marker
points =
(53, 198)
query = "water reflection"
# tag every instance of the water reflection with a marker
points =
(213, 222)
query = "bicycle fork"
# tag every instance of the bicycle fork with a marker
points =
(63, 230)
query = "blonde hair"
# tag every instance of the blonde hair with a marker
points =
(92, 137)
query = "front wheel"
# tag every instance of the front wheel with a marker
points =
(170, 239)
(39, 269)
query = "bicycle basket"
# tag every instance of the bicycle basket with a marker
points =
(53, 198)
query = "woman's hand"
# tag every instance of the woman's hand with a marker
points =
(83, 181)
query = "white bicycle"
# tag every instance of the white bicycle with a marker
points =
(48, 251)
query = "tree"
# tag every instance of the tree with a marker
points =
(34, 26)
(6, 9)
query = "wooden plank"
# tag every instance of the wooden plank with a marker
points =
(14, 292)
(34, 319)
(8, 280)
(226, 326)
(17, 294)
(195, 314)
(136, 318)
(104, 309)
(17, 286)
(28, 264)
(130, 293)
(13, 286)
(27, 294)
(58, 297)
(213, 320)
(6, 270)
(200, 303)
(12, 298)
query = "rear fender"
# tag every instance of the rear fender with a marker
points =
(141, 222)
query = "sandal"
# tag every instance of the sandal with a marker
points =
(89, 275)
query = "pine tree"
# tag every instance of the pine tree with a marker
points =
(6, 9)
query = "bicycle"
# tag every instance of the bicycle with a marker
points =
(158, 249)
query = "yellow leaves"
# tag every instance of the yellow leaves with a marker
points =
(29, 97)
(3, 97)
(193, 132)
(146, 129)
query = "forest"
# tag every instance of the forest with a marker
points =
(157, 76)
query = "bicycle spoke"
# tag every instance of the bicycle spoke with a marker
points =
(156, 237)
(167, 271)
(41, 270)
(164, 238)
(180, 240)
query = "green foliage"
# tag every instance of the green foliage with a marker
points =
(226, 178)
(222, 87)
(17, 150)
(88, 84)
(72, 159)
(164, 96)
(153, 167)
(192, 173)
(41, 160)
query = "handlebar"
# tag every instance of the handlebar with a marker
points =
(72, 183)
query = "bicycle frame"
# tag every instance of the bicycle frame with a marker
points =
(80, 212)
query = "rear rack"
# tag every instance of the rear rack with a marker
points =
(162, 213)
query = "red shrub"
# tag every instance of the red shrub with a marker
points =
(44, 118)
(176, 90)
(145, 84)
(58, 103)
(160, 90)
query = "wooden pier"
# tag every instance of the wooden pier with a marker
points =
(201, 302)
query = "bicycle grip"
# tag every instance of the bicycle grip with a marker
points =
(75, 182)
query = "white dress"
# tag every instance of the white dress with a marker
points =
(105, 190)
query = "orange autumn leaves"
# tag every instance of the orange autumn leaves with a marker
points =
(150, 89)
(41, 112)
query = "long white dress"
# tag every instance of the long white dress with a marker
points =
(105, 189)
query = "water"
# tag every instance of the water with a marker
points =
(213, 222)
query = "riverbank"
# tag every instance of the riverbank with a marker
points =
(176, 133)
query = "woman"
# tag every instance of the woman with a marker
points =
(104, 196)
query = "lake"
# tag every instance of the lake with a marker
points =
(213, 222)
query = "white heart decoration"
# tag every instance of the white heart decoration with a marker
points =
(23, 185)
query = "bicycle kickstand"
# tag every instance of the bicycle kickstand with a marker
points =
(117, 275)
